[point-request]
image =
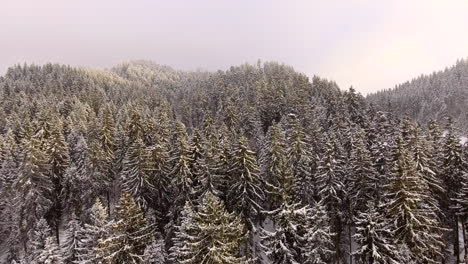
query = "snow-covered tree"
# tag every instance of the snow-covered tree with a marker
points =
(210, 235)
(97, 229)
(320, 236)
(34, 184)
(245, 192)
(136, 173)
(411, 210)
(277, 172)
(128, 236)
(72, 240)
(155, 253)
(374, 237)
(37, 239)
(301, 162)
(288, 242)
(51, 252)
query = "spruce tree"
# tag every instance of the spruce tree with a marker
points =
(245, 193)
(212, 235)
(128, 235)
(300, 159)
(37, 239)
(34, 185)
(136, 173)
(51, 252)
(155, 253)
(411, 210)
(374, 237)
(97, 229)
(71, 242)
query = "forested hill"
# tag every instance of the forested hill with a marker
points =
(435, 96)
(143, 163)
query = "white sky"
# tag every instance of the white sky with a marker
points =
(370, 44)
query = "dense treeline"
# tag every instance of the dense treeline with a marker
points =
(430, 97)
(256, 164)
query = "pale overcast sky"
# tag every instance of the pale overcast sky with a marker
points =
(370, 44)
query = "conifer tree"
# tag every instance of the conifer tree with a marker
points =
(34, 184)
(58, 154)
(301, 161)
(320, 236)
(277, 175)
(37, 239)
(330, 178)
(129, 234)
(72, 240)
(51, 253)
(411, 210)
(212, 235)
(155, 253)
(374, 237)
(245, 193)
(136, 173)
(97, 229)
(288, 243)
(182, 172)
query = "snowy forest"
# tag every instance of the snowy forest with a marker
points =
(430, 97)
(142, 163)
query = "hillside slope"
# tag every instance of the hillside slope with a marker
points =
(435, 96)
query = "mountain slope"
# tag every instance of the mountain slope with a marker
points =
(435, 96)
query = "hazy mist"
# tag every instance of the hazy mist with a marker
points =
(368, 44)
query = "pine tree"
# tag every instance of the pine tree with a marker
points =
(155, 253)
(301, 161)
(51, 253)
(212, 235)
(330, 175)
(182, 172)
(411, 210)
(129, 234)
(288, 243)
(135, 175)
(58, 154)
(330, 178)
(245, 193)
(158, 170)
(453, 173)
(37, 239)
(320, 236)
(72, 240)
(374, 237)
(278, 175)
(34, 185)
(97, 229)
(364, 178)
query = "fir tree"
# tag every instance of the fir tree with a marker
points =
(155, 253)
(129, 234)
(37, 239)
(320, 236)
(72, 240)
(277, 175)
(51, 253)
(212, 235)
(374, 236)
(34, 185)
(301, 161)
(135, 175)
(97, 229)
(411, 210)
(245, 193)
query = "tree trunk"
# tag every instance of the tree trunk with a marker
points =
(350, 229)
(460, 241)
